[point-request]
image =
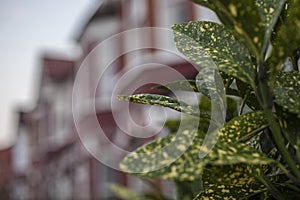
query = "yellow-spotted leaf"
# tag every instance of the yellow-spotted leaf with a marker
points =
(231, 182)
(285, 45)
(209, 83)
(239, 129)
(160, 100)
(287, 91)
(242, 18)
(269, 11)
(211, 45)
(243, 127)
(229, 154)
(176, 157)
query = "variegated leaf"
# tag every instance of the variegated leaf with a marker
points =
(210, 45)
(269, 11)
(242, 18)
(209, 83)
(248, 95)
(287, 91)
(285, 45)
(289, 124)
(236, 153)
(239, 129)
(160, 100)
(227, 80)
(177, 157)
(243, 127)
(231, 182)
(174, 157)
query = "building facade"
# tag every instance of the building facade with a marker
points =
(126, 48)
(5, 172)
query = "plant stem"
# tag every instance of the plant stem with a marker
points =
(278, 140)
(267, 104)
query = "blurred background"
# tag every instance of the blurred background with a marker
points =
(43, 44)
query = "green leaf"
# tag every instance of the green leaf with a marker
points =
(210, 45)
(242, 18)
(177, 157)
(243, 127)
(236, 153)
(174, 157)
(227, 80)
(269, 11)
(289, 124)
(287, 91)
(248, 95)
(287, 38)
(231, 182)
(239, 129)
(209, 83)
(232, 108)
(153, 99)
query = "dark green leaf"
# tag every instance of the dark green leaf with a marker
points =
(231, 182)
(289, 124)
(232, 108)
(288, 36)
(210, 45)
(227, 80)
(248, 95)
(287, 91)
(270, 11)
(242, 18)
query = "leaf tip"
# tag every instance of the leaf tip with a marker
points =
(123, 98)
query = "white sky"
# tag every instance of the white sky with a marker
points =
(27, 29)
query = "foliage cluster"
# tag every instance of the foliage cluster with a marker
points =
(249, 70)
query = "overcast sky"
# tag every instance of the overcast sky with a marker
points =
(27, 29)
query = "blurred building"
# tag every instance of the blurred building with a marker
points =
(5, 172)
(50, 158)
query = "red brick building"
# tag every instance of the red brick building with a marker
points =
(5, 172)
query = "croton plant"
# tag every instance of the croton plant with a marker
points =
(242, 139)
